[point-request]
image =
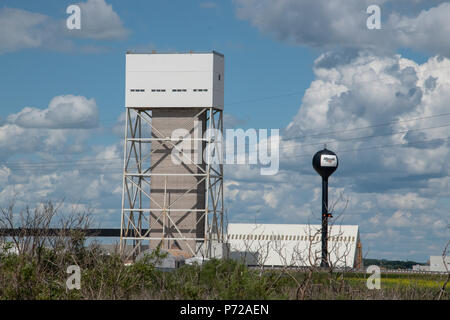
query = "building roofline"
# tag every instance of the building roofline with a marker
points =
(190, 52)
(291, 224)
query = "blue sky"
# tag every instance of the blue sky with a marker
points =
(304, 67)
(267, 68)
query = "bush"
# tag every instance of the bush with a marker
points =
(37, 270)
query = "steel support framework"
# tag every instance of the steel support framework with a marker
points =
(141, 212)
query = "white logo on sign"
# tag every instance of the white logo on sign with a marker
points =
(328, 160)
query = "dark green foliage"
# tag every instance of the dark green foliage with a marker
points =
(391, 264)
(227, 279)
(38, 271)
(43, 276)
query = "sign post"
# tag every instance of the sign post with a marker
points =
(325, 162)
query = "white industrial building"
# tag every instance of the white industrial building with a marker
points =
(293, 244)
(420, 268)
(439, 264)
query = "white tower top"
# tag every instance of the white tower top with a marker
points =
(174, 80)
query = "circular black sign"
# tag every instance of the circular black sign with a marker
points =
(325, 162)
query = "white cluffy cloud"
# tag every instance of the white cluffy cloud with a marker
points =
(63, 112)
(84, 184)
(61, 128)
(46, 155)
(367, 92)
(21, 29)
(100, 21)
(22, 23)
(342, 23)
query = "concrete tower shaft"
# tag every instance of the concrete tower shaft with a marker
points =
(184, 189)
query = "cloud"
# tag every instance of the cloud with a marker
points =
(63, 112)
(409, 200)
(364, 93)
(426, 32)
(14, 139)
(62, 128)
(4, 174)
(99, 21)
(21, 29)
(208, 5)
(46, 143)
(118, 128)
(91, 181)
(393, 187)
(231, 121)
(400, 219)
(342, 24)
(313, 23)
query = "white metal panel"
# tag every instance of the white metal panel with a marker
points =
(152, 78)
(437, 264)
(218, 80)
(170, 62)
(291, 244)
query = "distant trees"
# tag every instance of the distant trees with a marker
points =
(391, 264)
